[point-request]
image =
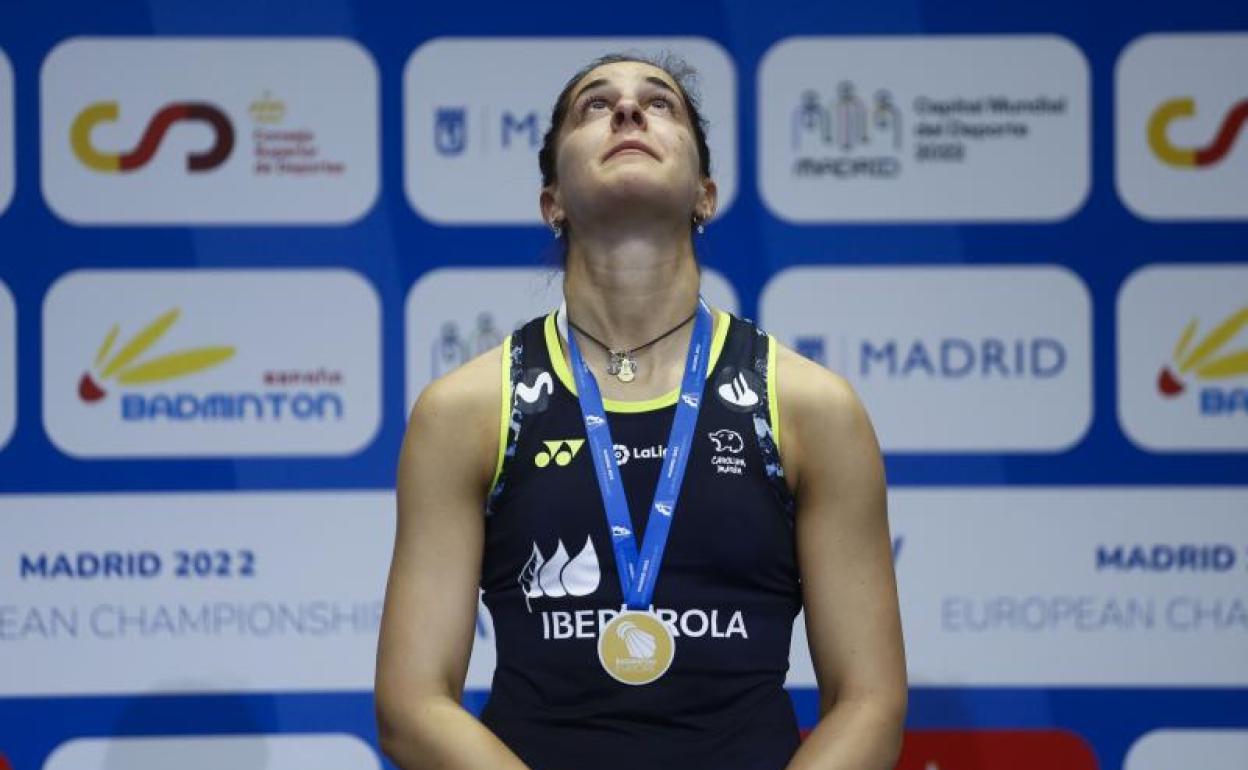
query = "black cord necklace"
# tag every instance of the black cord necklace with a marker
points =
(623, 364)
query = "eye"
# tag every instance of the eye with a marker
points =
(662, 102)
(595, 103)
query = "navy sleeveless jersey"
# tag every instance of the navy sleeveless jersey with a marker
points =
(728, 587)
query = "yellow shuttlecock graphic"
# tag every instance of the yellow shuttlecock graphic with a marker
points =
(125, 367)
(1205, 359)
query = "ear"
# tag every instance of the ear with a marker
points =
(552, 211)
(708, 200)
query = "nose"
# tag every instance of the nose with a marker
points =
(627, 113)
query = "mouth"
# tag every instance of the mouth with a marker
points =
(629, 145)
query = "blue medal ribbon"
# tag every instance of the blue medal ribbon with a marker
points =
(639, 572)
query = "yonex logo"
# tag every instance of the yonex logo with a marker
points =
(594, 421)
(111, 162)
(663, 508)
(560, 452)
(127, 371)
(1186, 157)
(559, 575)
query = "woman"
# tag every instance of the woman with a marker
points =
(641, 620)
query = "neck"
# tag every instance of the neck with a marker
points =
(627, 291)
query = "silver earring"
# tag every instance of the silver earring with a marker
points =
(557, 229)
(701, 227)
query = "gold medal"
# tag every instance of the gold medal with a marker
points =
(636, 647)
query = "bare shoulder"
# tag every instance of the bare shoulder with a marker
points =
(460, 413)
(809, 391)
(823, 420)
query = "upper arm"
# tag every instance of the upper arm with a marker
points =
(843, 545)
(445, 468)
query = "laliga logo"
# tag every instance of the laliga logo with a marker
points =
(127, 371)
(107, 112)
(1182, 157)
(1202, 359)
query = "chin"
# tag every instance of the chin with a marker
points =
(641, 188)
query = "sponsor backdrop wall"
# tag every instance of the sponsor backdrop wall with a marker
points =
(237, 240)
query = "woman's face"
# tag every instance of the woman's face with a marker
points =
(626, 139)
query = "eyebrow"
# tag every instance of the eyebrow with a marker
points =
(598, 82)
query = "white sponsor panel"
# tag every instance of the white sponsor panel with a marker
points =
(455, 314)
(471, 138)
(8, 167)
(227, 592)
(1181, 126)
(203, 131)
(211, 363)
(8, 365)
(1222, 749)
(1183, 358)
(307, 751)
(1069, 587)
(948, 358)
(924, 128)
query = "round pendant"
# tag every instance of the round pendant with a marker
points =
(636, 647)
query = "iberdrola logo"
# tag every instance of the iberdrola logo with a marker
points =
(126, 368)
(1205, 359)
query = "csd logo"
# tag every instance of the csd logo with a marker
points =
(110, 162)
(560, 452)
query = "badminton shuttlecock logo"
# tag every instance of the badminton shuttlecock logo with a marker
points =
(640, 644)
(1206, 359)
(125, 367)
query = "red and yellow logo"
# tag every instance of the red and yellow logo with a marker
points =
(110, 162)
(1185, 157)
(127, 370)
(1204, 359)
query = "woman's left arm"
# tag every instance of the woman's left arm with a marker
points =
(845, 558)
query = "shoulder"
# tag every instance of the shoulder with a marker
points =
(460, 412)
(811, 392)
(824, 421)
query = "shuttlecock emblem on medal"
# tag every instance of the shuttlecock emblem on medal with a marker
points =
(636, 648)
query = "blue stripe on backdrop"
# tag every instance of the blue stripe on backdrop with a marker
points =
(1111, 720)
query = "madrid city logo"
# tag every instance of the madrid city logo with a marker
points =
(138, 157)
(846, 122)
(125, 365)
(1207, 360)
(519, 130)
(560, 575)
(1193, 157)
(847, 136)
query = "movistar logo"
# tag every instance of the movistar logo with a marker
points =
(560, 451)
